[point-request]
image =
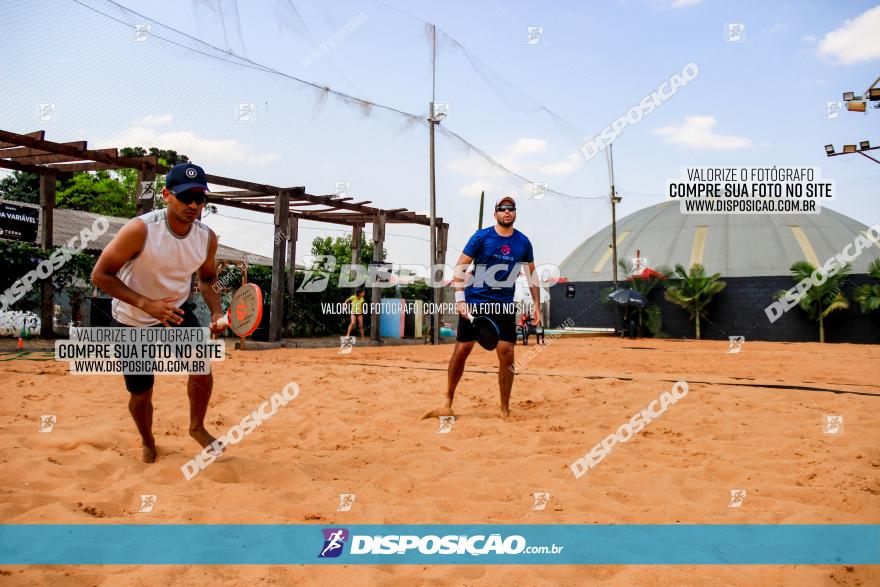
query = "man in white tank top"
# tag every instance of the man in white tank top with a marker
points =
(147, 268)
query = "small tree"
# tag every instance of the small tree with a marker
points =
(693, 291)
(868, 295)
(821, 299)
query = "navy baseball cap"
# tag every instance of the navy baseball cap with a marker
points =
(186, 176)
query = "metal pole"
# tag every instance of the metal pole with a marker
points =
(613, 234)
(613, 219)
(435, 296)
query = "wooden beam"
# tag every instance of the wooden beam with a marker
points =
(38, 134)
(83, 154)
(79, 167)
(237, 194)
(6, 164)
(38, 159)
(25, 152)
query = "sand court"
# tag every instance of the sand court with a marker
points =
(751, 421)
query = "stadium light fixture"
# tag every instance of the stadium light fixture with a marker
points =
(849, 149)
(438, 111)
(854, 106)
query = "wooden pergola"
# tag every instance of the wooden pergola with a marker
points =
(50, 160)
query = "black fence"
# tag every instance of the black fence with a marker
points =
(736, 311)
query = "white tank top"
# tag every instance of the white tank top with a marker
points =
(163, 268)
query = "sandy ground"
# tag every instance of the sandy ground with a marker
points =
(355, 428)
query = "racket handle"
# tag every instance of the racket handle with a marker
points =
(224, 321)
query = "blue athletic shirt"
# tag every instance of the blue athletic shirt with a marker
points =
(488, 249)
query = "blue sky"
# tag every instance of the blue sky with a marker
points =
(759, 102)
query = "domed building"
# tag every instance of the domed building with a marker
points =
(752, 252)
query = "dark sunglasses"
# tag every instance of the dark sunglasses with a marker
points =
(505, 207)
(190, 196)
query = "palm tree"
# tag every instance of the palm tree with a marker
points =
(820, 300)
(694, 290)
(868, 296)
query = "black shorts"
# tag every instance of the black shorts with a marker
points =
(142, 383)
(505, 320)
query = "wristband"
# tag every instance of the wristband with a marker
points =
(459, 296)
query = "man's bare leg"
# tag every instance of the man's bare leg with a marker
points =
(199, 388)
(140, 406)
(454, 373)
(505, 374)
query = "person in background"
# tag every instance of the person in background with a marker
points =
(357, 310)
(524, 327)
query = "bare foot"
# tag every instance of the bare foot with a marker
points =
(149, 453)
(203, 437)
(444, 411)
(505, 412)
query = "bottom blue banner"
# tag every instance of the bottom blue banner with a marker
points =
(236, 544)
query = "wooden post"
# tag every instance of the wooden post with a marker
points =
(144, 205)
(276, 305)
(442, 233)
(356, 234)
(47, 297)
(292, 235)
(243, 282)
(376, 294)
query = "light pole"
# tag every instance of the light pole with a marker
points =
(850, 149)
(615, 199)
(435, 119)
(435, 115)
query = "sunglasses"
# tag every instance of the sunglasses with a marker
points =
(505, 208)
(190, 196)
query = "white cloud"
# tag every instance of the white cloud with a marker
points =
(680, 3)
(474, 188)
(154, 120)
(568, 165)
(811, 39)
(527, 146)
(857, 40)
(697, 132)
(474, 165)
(201, 150)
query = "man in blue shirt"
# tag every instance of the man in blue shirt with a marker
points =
(497, 253)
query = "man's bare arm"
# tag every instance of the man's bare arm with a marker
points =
(207, 278)
(458, 283)
(126, 245)
(534, 288)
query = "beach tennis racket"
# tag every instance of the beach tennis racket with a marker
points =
(246, 309)
(488, 333)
